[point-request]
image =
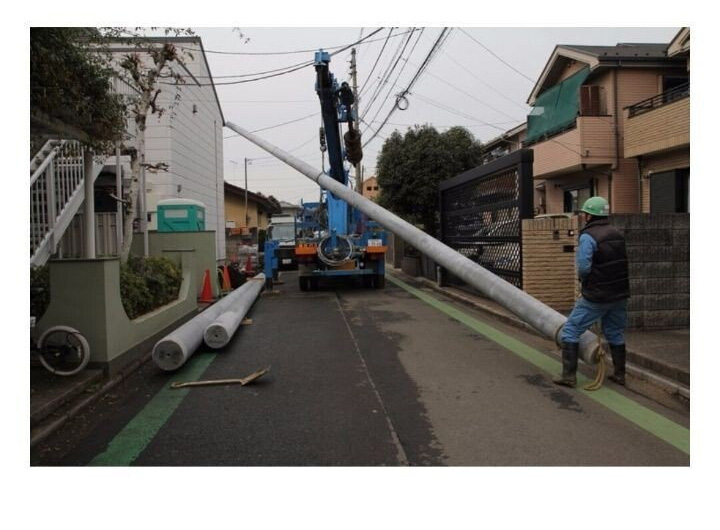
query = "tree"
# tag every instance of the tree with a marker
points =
(70, 86)
(411, 166)
(154, 64)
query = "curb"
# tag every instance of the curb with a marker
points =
(41, 432)
(668, 378)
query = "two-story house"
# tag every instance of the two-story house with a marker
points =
(577, 127)
(187, 138)
(657, 137)
(246, 213)
(370, 188)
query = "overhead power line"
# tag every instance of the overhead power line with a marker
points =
(288, 70)
(341, 47)
(431, 54)
(497, 56)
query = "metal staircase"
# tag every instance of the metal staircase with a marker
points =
(57, 191)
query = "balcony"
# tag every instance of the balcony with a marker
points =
(590, 142)
(660, 123)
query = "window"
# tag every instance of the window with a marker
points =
(669, 191)
(369, 188)
(590, 100)
(375, 188)
(573, 199)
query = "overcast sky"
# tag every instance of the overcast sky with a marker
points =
(479, 78)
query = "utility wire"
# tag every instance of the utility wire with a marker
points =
(497, 56)
(382, 50)
(397, 78)
(289, 70)
(431, 54)
(470, 96)
(276, 126)
(385, 78)
(344, 46)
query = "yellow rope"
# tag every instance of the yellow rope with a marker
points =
(602, 350)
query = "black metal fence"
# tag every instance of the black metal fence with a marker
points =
(480, 214)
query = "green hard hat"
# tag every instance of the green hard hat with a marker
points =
(596, 206)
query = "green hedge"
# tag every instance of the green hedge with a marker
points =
(39, 290)
(148, 283)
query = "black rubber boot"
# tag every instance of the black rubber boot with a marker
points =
(617, 351)
(569, 365)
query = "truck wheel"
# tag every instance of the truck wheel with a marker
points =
(304, 282)
(379, 281)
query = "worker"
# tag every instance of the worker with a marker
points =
(602, 268)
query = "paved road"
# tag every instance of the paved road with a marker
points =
(360, 377)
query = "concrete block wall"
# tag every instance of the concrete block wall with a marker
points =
(548, 249)
(658, 247)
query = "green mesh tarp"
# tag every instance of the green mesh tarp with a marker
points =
(557, 107)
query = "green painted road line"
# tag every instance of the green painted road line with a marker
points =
(665, 429)
(139, 432)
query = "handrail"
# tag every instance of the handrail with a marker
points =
(46, 162)
(665, 98)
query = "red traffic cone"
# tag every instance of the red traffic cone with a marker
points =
(248, 266)
(206, 295)
(226, 286)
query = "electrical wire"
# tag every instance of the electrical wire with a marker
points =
(431, 54)
(497, 56)
(288, 70)
(343, 46)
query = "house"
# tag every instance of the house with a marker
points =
(370, 190)
(183, 159)
(289, 208)
(578, 127)
(187, 137)
(657, 136)
(242, 224)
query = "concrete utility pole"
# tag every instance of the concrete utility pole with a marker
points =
(353, 74)
(247, 216)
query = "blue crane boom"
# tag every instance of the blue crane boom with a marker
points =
(335, 239)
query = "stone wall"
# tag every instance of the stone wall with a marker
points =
(658, 247)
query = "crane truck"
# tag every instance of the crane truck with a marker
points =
(334, 239)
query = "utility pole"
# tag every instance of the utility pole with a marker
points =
(353, 74)
(247, 217)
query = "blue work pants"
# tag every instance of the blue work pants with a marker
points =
(585, 313)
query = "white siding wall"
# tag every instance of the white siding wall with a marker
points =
(191, 144)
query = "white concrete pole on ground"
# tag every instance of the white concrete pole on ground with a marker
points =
(222, 329)
(173, 350)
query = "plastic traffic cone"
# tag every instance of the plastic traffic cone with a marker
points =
(248, 266)
(226, 286)
(206, 295)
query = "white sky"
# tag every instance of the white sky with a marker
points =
(480, 79)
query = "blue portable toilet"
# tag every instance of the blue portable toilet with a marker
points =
(180, 215)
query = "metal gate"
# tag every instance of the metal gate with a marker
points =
(481, 212)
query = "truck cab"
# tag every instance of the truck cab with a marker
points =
(282, 231)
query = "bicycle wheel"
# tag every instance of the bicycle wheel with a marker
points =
(63, 350)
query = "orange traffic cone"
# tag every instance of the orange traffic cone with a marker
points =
(206, 295)
(226, 286)
(248, 267)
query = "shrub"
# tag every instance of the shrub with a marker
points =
(148, 283)
(39, 290)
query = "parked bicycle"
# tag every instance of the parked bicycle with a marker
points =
(62, 350)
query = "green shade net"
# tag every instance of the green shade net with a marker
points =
(557, 107)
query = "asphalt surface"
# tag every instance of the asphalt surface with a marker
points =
(362, 377)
